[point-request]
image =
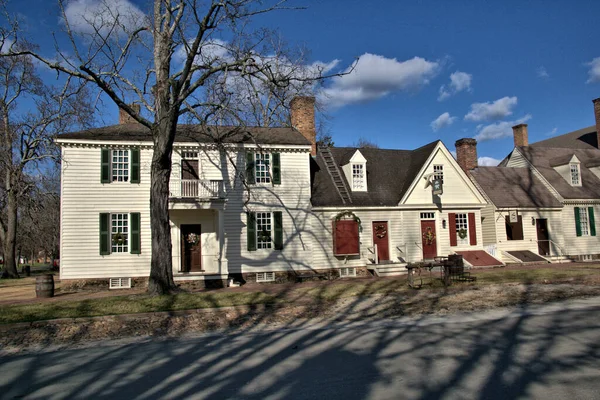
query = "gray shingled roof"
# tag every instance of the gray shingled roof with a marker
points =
(389, 175)
(194, 133)
(541, 158)
(514, 187)
(585, 138)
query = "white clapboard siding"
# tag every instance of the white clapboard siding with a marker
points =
(83, 198)
(578, 245)
(457, 187)
(488, 225)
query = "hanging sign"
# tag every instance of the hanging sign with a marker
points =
(437, 187)
(514, 216)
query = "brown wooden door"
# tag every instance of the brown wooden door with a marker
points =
(543, 238)
(428, 239)
(189, 169)
(191, 248)
(381, 239)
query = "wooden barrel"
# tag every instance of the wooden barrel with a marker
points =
(44, 286)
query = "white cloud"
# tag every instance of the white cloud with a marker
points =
(459, 81)
(375, 76)
(498, 130)
(552, 132)
(542, 73)
(488, 161)
(442, 121)
(594, 71)
(211, 51)
(5, 45)
(491, 110)
(84, 15)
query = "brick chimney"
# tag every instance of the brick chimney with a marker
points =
(597, 115)
(125, 118)
(302, 110)
(466, 153)
(520, 135)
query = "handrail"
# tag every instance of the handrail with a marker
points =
(562, 251)
(197, 188)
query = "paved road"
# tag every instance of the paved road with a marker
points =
(538, 352)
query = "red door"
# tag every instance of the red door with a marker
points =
(380, 238)
(191, 248)
(428, 239)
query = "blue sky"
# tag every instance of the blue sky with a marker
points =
(440, 69)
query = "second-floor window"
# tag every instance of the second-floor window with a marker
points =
(120, 165)
(438, 172)
(575, 179)
(262, 168)
(358, 176)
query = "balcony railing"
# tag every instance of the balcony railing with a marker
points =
(203, 189)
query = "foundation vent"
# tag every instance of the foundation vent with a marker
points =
(119, 283)
(347, 272)
(265, 277)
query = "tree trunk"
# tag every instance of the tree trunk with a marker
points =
(161, 267)
(10, 243)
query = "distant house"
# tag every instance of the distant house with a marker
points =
(545, 195)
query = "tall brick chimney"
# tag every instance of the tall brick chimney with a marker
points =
(302, 110)
(520, 135)
(125, 118)
(597, 115)
(466, 153)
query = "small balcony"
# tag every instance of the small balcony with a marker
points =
(201, 189)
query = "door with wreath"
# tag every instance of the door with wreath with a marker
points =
(429, 239)
(381, 239)
(191, 248)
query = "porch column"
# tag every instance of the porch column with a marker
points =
(223, 267)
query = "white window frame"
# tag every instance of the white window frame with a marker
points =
(347, 272)
(584, 221)
(262, 167)
(267, 217)
(265, 277)
(114, 229)
(427, 215)
(462, 221)
(575, 174)
(120, 165)
(438, 172)
(359, 181)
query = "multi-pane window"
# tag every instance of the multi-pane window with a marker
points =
(462, 228)
(438, 172)
(427, 215)
(584, 222)
(358, 176)
(120, 165)
(574, 174)
(119, 233)
(263, 230)
(262, 170)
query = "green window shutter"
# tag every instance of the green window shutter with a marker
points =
(277, 216)
(251, 231)
(577, 222)
(136, 246)
(592, 222)
(276, 169)
(104, 234)
(250, 168)
(135, 165)
(105, 166)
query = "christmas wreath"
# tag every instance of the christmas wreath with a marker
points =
(428, 236)
(118, 238)
(380, 231)
(347, 215)
(264, 236)
(192, 238)
(462, 233)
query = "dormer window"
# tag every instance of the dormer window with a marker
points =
(575, 174)
(358, 177)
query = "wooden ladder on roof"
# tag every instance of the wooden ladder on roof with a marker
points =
(336, 176)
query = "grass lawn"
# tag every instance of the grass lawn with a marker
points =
(322, 292)
(127, 305)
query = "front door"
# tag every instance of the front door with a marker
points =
(380, 238)
(191, 248)
(429, 240)
(543, 238)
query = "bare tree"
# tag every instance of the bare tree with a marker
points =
(364, 143)
(31, 114)
(170, 59)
